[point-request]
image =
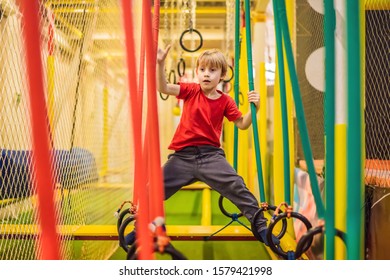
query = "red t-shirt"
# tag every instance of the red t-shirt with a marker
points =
(202, 118)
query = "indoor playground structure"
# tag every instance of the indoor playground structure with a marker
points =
(84, 132)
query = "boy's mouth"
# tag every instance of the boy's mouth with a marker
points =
(206, 81)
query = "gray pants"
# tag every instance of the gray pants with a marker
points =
(209, 165)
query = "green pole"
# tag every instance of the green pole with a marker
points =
(354, 133)
(237, 77)
(282, 84)
(300, 114)
(329, 28)
(253, 107)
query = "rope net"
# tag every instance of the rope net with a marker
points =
(377, 107)
(309, 45)
(85, 80)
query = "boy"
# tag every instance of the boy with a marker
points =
(196, 143)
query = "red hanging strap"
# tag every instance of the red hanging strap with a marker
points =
(40, 134)
(155, 172)
(144, 239)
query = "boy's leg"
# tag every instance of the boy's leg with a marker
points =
(221, 176)
(215, 171)
(178, 172)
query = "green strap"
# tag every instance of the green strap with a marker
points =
(282, 84)
(253, 107)
(282, 17)
(354, 133)
(237, 77)
(329, 110)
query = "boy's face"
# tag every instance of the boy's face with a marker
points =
(208, 77)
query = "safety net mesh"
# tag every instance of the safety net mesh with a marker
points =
(85, 77)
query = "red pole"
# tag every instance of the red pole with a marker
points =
(144, 237)
(40, 135)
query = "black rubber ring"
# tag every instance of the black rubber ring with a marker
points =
(232, 76)
(284, 216)
(172, 72)
(163, 97)
(121, 233)
(282, 232)
(121, 216)
(181, 64)
(190, 31)
(223, 210)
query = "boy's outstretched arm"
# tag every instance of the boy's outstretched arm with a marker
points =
(162, 85)
(246, 120)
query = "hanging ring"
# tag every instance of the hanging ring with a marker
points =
(231, 76)
(223, 210)
(181, 67)
(163, 97)
(190, 31)
(282, 217)
(172, 74)
(241, 98)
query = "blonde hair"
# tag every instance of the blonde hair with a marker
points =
(213, 58)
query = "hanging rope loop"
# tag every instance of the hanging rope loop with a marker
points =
(191, 30)
(172, 75)
(181, 67)
(231, 74)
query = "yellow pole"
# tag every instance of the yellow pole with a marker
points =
(50, 92)
(262, 120)
(259, 31)
(104, 168)
(290, 8)
(340, 137)
(50, 74)
(243, 135)
(206, 207)
(363, 86)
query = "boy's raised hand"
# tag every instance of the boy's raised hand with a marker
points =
(162, 54)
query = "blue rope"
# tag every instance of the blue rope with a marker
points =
(234, 219)
(291, 255)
